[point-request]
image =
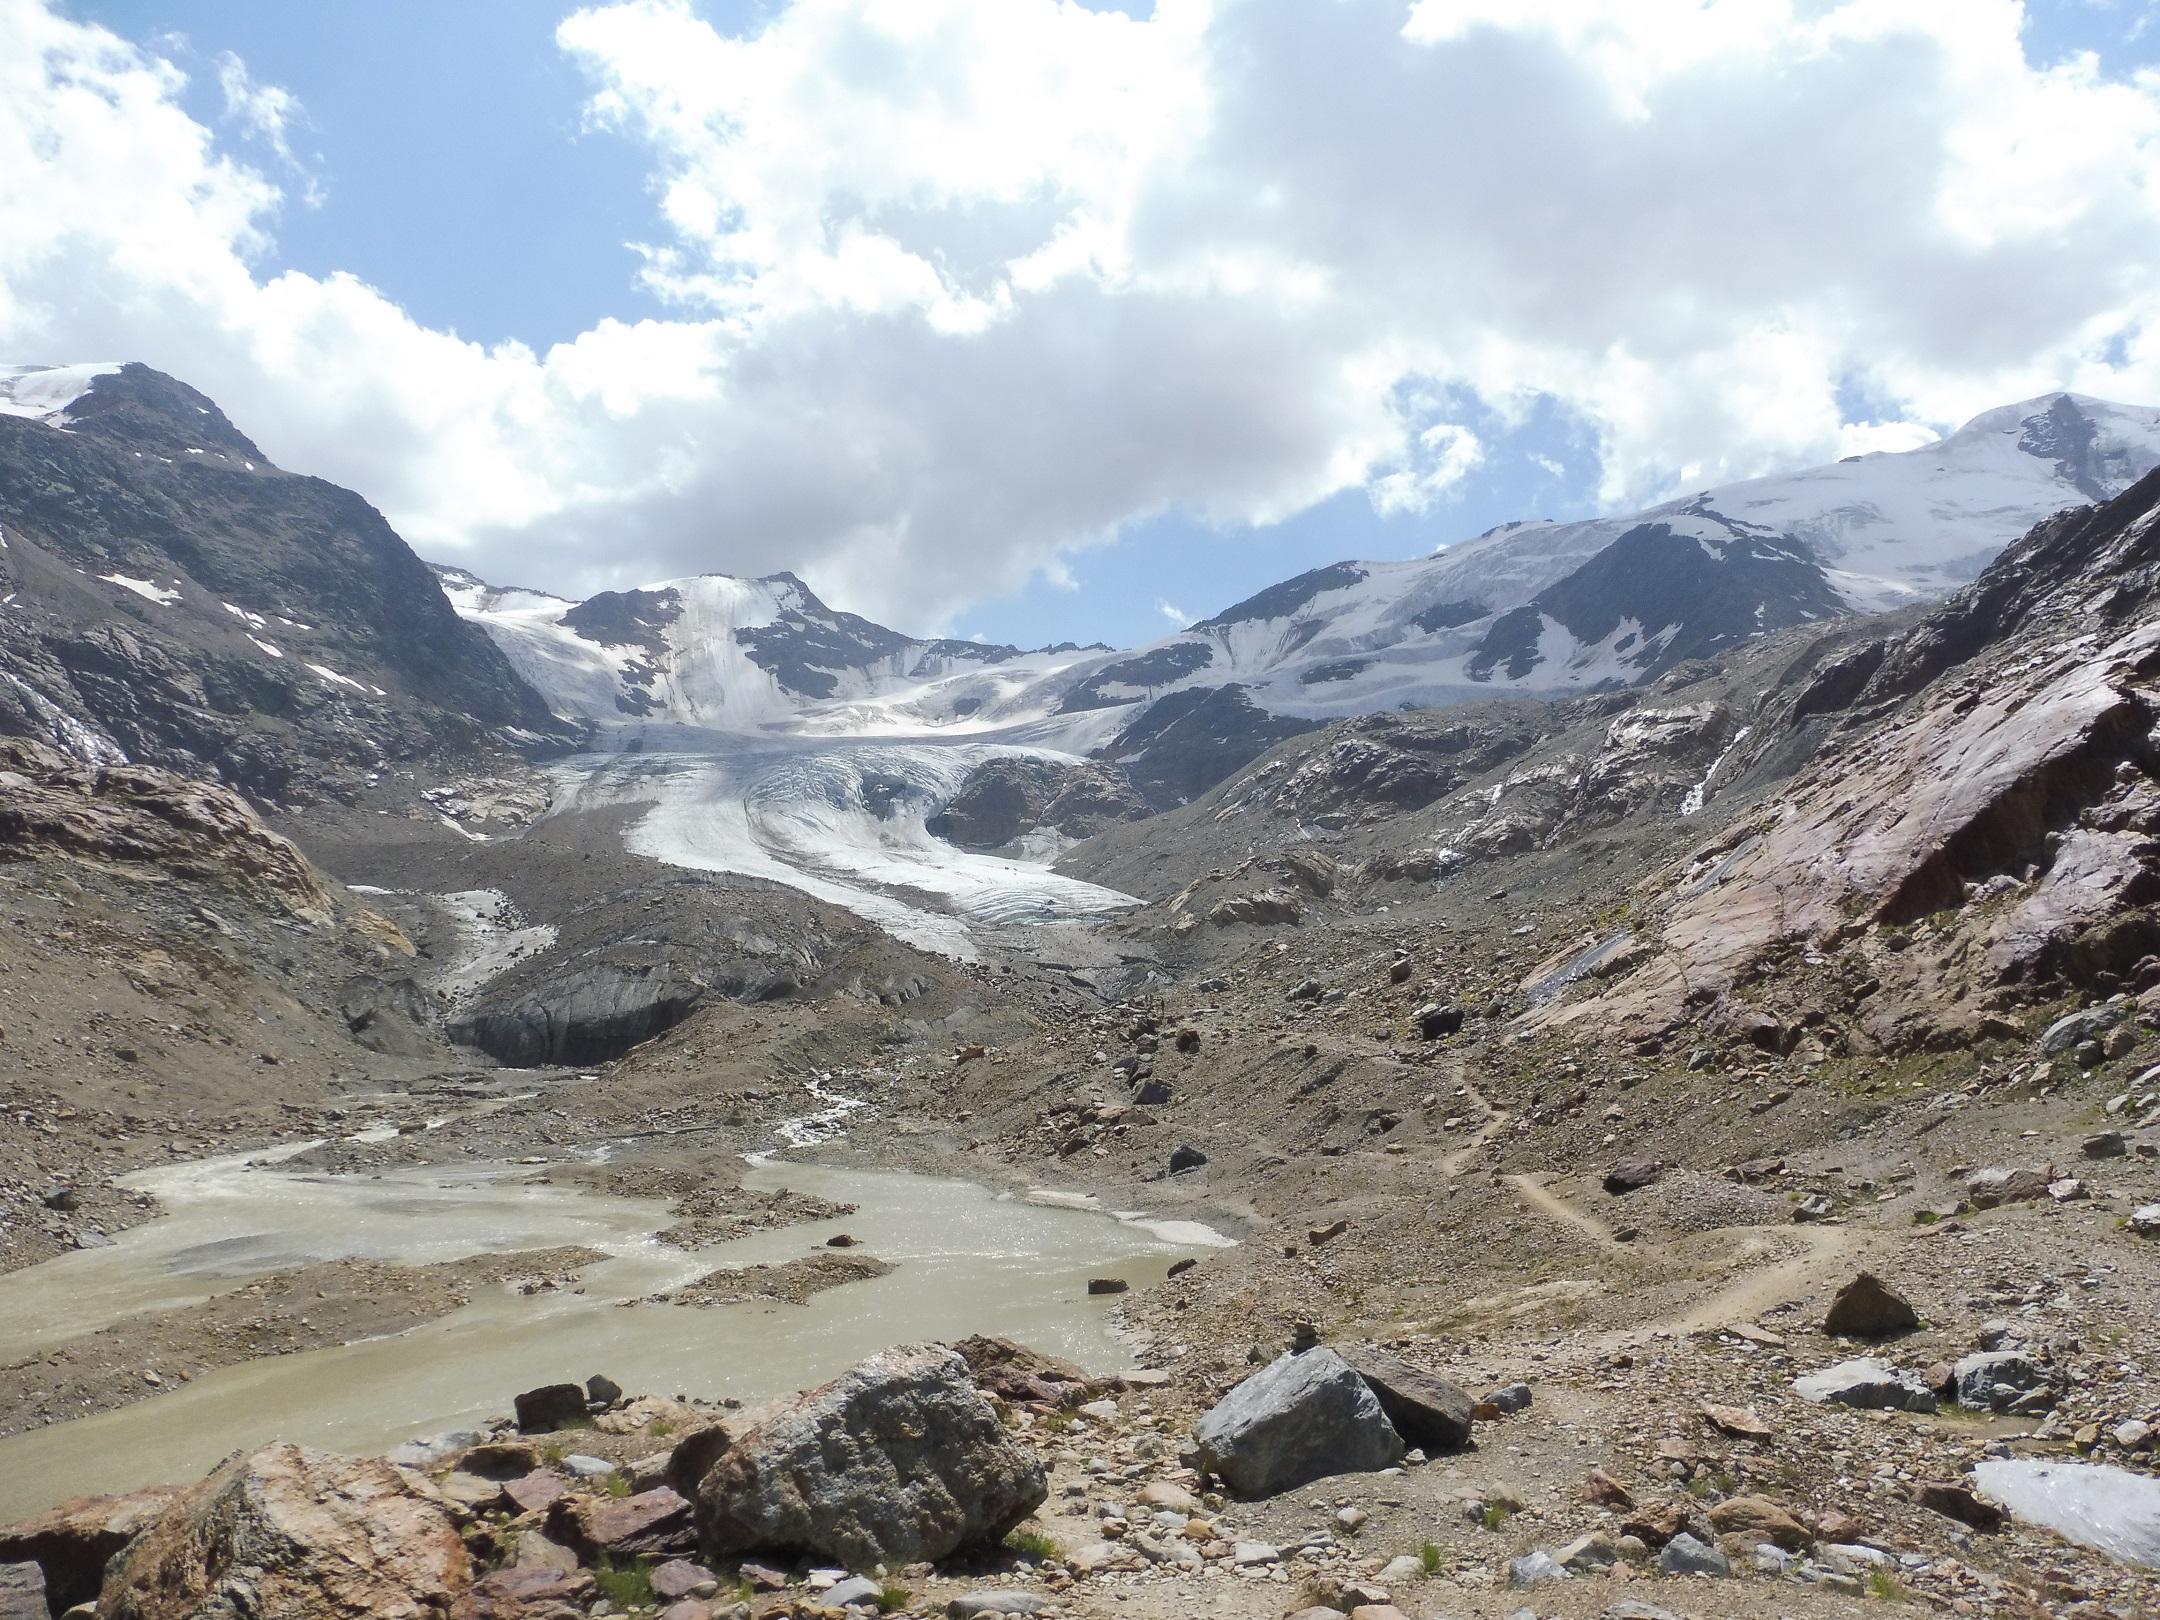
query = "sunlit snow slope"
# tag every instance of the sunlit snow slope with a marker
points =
(774, 735)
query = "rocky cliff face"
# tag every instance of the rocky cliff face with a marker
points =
(169, 597)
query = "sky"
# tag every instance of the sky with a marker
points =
(1044, 321)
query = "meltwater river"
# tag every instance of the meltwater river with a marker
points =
(969, 1261)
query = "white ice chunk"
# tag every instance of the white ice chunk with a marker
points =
(334, 678)
(266, 647)
(2110, 1510)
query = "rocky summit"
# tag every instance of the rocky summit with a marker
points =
(1611, 1072)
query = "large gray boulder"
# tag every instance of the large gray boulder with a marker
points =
(1868, 1384)
(1992, 1378)
(1302, 1417)
(898, 1459)
(1427, 1411)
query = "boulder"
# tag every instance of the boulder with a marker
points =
(299, 1534)
(22, 1593)
(1437, 1020)
(1184, 1158)
(1656, 1523)
(602, 1390)
(1955, 1501)
(1868, 1384)
(1602, 1489)
(2067, 1033)
(529, 1592)
(897, 1460)
(1302, 1417)
(2105, 1145)
(679, 1578)
(1013, 1372)
(647, 1524)
(1631, 1175)
(1989, 1188)
(998, 1602)
(73, 1542)
(535, 1493)
(1979, 1377)
(1869, 1308)
(1533, 1567)
(1510, 1397)
(1757, 1518)
(549, 1408)
(1427, 1411)
(1684, 1555)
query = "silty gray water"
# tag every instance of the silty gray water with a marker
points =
(968, 1261)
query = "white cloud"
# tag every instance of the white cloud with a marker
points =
(1176, 615)
(962, 284)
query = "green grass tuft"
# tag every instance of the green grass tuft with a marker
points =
(892, 1597)
(1031, 1544)
(1431, 1557)
(626, 1587)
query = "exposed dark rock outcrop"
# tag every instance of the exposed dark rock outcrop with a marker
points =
(175, 599)
(1004, 799)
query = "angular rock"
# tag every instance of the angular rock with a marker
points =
(2105, 1145)
(1631, 1175)
(1437, 1020)
(536, 1492)
(1868, 1384)
(505, 1460)
(1981, 1375)
(550, 1408)
(602, 1390)
(1427, 1411)
(1534, 1567)
(73, 1542)
(679, 1578)
(1955, 1501)
(1302, 1417)
(2067, 1033)
(528, 1592)
(22, 1593)
(1869, 1308)
(856, 1592)
(1601, 1488)
(1656, 1523)
(299, 1534)
(1737, 1422)
(1684, 1555)
(1990, 1188)
(1757, 1518)
(968, 1604)
(650, 1523)
(1509, 1397)
(897, 1460)
(1184, 1158)
(1013, 1372)
(1588, 1554)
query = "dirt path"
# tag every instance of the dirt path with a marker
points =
(1547, 1202)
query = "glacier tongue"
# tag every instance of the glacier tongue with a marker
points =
(842, 821)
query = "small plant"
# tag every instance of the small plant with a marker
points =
(616, 1485)
(1885, 1587)
(662, 1429)
(1698, 1487)
(892, 1597)
(626, 1587)
(1431, 1557)
(552, 1456)
(1031, 1544)
(1494, 1516)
